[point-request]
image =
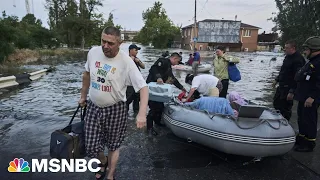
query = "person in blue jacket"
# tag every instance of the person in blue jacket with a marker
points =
(196, 61)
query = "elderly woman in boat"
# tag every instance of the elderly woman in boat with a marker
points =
(213, 103)
(236, 100)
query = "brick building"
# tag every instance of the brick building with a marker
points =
(245, 36)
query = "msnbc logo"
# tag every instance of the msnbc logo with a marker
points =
(54, 165)
(18, 165)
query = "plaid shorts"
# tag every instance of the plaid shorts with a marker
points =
(104, 127)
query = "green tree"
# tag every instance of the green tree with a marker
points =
(111, 23)
(74, 22)
(27, 33)
(298, 19)
(110, 20)
(7, 36)
(158, 29)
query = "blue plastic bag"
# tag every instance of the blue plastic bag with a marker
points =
(234, 73)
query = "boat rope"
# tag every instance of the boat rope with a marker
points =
(263, 121)
(282, 121)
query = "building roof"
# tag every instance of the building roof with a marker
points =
(189, 26)
(243, 25)
(272, 37)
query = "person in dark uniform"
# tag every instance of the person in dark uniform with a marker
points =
(165, 54)
(308, 96)
(131, 95)
(180, 62)
(161, 72)
(283, 98)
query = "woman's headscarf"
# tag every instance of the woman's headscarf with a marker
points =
(236, 97)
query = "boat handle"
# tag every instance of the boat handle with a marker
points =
(210, 115)
(170, 111)
(259, 123)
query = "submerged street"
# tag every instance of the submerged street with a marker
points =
(29, 114)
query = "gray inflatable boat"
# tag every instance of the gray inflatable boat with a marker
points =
(268, 135)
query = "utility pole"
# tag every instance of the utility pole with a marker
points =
(195, 25)
(27, 6)
(32, 7)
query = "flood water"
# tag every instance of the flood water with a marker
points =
(29, 114)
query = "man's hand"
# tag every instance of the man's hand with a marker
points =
(136, 60)
(226, 58)
(290, 97)
(82, 102)
(170, 80)
(274, 84)
(309, 102)
(141, 120)
(159, 81)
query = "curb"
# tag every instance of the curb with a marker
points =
(20, 79)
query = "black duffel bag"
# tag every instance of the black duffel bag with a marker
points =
(69, 143)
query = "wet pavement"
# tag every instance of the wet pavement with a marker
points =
(29, 114)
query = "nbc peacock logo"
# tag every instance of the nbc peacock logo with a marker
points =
(18, 165)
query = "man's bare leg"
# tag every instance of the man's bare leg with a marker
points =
(113, 157)
(103, 160)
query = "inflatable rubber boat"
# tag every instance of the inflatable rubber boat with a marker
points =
(258, 131)
(201, 69)
(267, 135)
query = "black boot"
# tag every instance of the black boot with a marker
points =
(152, 132)
(299, 140)
(305, 146)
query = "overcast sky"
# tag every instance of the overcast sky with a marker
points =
(128, 13)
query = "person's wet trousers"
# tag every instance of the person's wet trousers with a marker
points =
(155, 113)
(307, 121)
(225, 86)
(134, 97)
(281, 103)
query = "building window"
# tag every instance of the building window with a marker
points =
(246, 33)
(185, 33)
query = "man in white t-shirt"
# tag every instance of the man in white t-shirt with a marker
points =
(108, 73)
(201, 84)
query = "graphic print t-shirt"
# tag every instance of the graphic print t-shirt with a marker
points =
(109, 77)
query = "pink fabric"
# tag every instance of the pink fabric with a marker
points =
(190, 61)
(236, 97)
(235, 113)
